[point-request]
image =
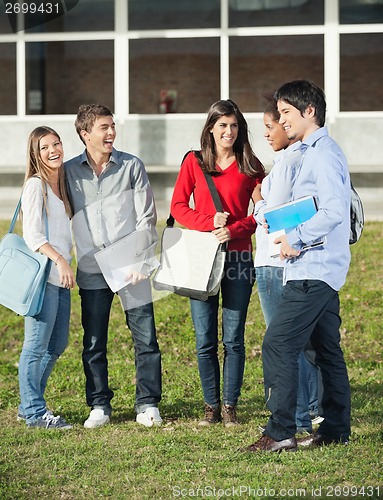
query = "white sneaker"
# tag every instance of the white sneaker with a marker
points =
(149, 417)
(317, 420)
(96, 418)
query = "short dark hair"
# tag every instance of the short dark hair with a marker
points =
(301, 94)
(86, 116)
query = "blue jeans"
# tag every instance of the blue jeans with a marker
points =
(95, 307)
(45, 339)
(236, 287)
(307, 310)
(270, 288)
(307, 400)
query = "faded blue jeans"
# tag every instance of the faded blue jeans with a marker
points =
(45, 339)
(236, 287)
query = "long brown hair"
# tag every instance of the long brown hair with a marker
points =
(247, 161)
(37, 168)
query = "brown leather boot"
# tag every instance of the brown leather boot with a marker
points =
(229, 416)
(212, 416)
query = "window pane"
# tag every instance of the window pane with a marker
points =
(5, 25)
(259, 65)
(360, 11)
(86, 15)
(63, 75)
(361, 63)
(173, 14)
(181, 76)
(275, 12)
(8, 105)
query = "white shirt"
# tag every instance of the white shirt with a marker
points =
(60, 237)
(277, 188)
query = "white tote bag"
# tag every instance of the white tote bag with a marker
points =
(192, 263)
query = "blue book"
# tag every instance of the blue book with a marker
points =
(291, 214)
(283, 218)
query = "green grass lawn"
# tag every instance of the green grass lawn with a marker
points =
(178, 460)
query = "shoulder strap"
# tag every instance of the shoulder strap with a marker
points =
(212, 189)
(214, 192)
(15, 215)
(14, 218)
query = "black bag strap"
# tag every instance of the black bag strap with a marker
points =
(212, 189)
(214, 192)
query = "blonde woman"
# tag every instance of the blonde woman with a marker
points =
(46, 334)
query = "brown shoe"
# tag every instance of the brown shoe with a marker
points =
(229, 416)
(212, 416)
(266, 443)
(317, 439)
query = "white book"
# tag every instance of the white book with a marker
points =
(128, 254)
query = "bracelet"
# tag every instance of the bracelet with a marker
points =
(58, 258)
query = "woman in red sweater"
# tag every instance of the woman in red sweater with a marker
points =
(227, 156)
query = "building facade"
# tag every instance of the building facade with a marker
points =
(159, 64)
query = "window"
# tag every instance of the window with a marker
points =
(82, 15)
(261, 64)
(275, 12)
(173, 14)
(360, 11)
(63, 75)
(5, 25)
(184, 71)
(361, 62)
(8, 79)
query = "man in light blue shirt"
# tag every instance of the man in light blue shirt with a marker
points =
(309, 306)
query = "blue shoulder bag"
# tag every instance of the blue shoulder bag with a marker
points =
(23, 273)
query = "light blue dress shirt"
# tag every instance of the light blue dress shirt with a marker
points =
(323, 174)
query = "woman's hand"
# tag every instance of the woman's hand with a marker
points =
(67, 278)
(223, 234)
(220, 219)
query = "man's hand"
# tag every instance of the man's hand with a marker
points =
(135, 277)
(286, 251)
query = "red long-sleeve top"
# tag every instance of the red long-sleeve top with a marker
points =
(234, 189)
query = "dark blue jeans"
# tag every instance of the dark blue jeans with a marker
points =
(236, 287)
(308, 310)
(95, 307)
(270, 289)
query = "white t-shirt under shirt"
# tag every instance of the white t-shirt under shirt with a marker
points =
(60, 236)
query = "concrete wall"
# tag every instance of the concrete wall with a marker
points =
(161, 142)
